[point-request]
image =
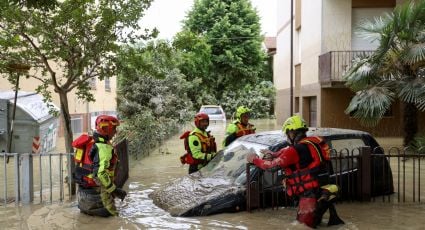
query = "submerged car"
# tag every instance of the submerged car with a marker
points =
(215, 112)
(220, 186)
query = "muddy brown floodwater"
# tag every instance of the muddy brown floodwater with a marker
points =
(138, 212)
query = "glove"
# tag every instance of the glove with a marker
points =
(267, 154)
(250, 157)
(119, 193)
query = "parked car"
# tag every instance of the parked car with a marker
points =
(220, 186)
(215, 112)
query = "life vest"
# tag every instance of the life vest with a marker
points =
(84, 162)
(83, 168)
(103, 147)
(208, 145)
(302, 176)
(244, 130)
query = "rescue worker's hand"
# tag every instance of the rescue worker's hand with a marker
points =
(267, 154)
(119, 193)
(250, 157)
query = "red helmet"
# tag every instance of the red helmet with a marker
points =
(105, 125)
(199, 117)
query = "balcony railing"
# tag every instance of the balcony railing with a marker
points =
(334, 64)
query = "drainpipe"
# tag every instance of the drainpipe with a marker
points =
(291, 97)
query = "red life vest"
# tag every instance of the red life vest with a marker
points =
(84, 163)
(244, 130)
(83, 167)
(208, 145)
(303, 178)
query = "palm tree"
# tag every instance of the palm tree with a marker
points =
(395, 71)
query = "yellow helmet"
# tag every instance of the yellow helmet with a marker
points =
(294, 123)
(241, 110)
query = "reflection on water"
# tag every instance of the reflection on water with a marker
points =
(147, 174)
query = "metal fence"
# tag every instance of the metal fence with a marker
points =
(47, 177)
(35, 178)
(362, 175)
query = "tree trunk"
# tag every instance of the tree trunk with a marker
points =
(67, 121)
(410, 119)
(68, 133)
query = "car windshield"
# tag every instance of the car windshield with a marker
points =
(231, 162)
(211, 110)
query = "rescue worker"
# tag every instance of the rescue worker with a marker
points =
(301, 161)
(202, 146)
(239, 127)
(104, 162)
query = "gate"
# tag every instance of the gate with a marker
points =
(362, 175)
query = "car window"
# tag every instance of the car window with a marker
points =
(211, 110)
(345, 147)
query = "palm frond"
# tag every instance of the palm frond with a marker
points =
(368, 106)
(371, 30)
(418, 144)
(413, 92)
(415, 53)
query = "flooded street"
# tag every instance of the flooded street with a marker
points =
(138, 212)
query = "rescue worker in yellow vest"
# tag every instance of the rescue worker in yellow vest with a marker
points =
(239, 127)
(301, 161)
(202, 144)
(104, 162)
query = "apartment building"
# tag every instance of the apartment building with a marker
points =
(324, 44)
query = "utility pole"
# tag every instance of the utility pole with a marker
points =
(17, 68)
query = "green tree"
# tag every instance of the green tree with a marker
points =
(230, 32)
(41, 4)
(151, 93)
(394, 71)
(72, 42)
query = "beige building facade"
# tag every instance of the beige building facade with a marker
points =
(324, 42)
(82, 113)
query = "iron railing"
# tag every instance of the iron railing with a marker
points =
(334, 64)
(37, 178)
(361, 175)
(43, 176)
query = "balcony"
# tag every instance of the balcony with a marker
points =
(334, 64)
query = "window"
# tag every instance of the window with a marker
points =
(343, 148)
(92, 83)
(107, 84)
(313, 112)
(297, 105)
(77, 124)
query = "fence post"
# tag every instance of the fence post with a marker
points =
(364, 176)
(17, 179)
(27, 179)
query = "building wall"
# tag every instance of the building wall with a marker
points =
(336, 27)
(325, 25)
(105, 100)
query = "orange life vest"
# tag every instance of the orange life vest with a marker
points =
(208, 145)
(303, 178)
(244, 130)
